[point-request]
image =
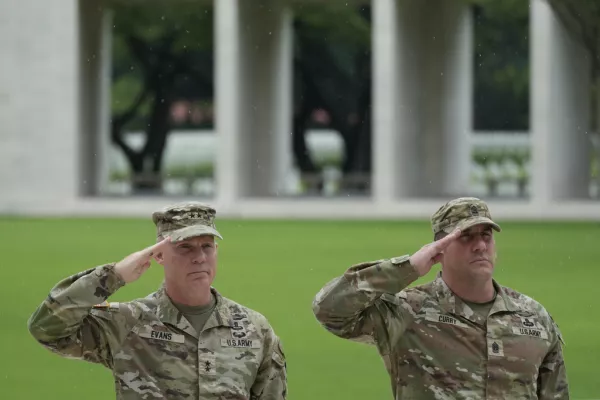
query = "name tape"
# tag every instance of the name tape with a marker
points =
(445, 319)
(161, 335)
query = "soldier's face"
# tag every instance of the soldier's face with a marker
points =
(191, 262)
(474, 252)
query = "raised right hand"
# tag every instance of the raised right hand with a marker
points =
(134, 265)
(431, 253)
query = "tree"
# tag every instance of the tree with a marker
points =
(161, 53)
(332, 73)
(501, 65)
(581, 18)
(160, 50)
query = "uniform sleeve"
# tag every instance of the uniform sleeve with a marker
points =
(552, 378)
(67, 323)
(271, 380)
(361, 304)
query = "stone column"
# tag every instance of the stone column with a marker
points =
(266, 90)
(104, 142)
(38, 103)
(560, 110)
(446, 91)
(254, 88)
(228, 102)
(387, 123)
(94, 92)
(457, 112)
(422, 91)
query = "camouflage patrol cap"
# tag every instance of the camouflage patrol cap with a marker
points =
(185, 220)
(463, 213)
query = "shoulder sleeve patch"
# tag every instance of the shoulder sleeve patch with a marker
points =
(558, 332)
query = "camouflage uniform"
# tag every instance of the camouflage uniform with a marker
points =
(432, 343)
(152, 350)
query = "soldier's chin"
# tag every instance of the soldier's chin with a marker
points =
(482, 264)
(484, 271)
(199, 276)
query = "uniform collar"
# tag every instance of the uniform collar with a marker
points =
(169, 314)
(455, 305)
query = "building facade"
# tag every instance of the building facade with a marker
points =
(55, 96)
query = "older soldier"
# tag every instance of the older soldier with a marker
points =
(185, 341)
(462, 336)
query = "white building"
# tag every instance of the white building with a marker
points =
(54, 114)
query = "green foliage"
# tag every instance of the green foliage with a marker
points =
(168, 31)
(581, 18)
(119, 176)
(177, 171)
(501, 65)
(502, 164)
(190, 171)
(124, 90)
(189, 22)
(335, 22)
(520, 158)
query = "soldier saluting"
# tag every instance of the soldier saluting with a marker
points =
(462, 336)
(184, 341)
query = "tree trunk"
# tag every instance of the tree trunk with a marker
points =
(357, 163)
(299, 147)
(159, 128)
(146, 174)
(305, 102)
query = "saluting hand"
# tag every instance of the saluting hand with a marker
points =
(431, 253)
(134, 265)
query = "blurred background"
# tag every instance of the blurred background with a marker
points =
(325, 133)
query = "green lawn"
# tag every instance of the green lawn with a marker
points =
(277, 267)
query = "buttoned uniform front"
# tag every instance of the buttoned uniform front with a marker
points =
(434, 346)
(153, 351)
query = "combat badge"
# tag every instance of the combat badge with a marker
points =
(531, 323)
(238, 328)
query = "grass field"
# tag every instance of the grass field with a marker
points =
(277, 267)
